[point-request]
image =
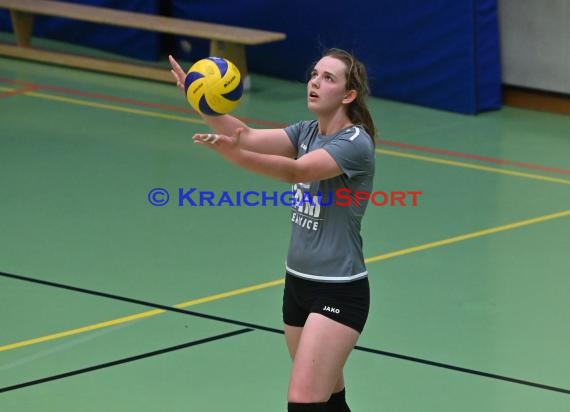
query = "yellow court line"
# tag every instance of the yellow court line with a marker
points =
(113, 107)
(277, 282)
(467, 236)
(473, 166)
(224, 295)
(77, 331)
(379, 151)
(138, 316)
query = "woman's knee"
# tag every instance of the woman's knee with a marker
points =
(307, 388)
(300, 393)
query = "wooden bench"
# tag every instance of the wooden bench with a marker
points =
(225, 41)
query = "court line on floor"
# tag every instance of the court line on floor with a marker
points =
(125, 319)
(124, 360)
(486, 159)
(467, 236)
(124, 100)
(265, 285)
(163, 308)
(172, 108)
(463, 370)
(473, 166)
(253, 326)
(379, 151)
(5, 92)
(114, 108)
(107, 106)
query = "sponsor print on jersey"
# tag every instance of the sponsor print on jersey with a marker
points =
(306, 208)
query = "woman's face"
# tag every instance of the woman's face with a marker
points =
(326, 88)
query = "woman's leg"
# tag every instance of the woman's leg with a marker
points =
(319, 351)
(292, 337)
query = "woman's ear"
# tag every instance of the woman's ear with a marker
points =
(349, 97)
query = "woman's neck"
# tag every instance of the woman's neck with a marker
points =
(330, 125)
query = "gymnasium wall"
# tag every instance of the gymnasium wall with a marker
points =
(535, 39)
(439, 53)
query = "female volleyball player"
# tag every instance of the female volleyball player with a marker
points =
(326, 296)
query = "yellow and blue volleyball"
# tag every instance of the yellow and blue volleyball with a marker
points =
(213, 86)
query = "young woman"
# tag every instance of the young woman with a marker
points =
(326, 296)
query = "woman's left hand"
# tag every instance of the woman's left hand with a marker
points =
(222, 144)
(219, 142)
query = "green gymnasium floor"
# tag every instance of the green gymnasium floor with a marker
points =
(109, 303)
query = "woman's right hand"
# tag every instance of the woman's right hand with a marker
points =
(177, 72)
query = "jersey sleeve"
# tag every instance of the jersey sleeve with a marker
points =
(294, 133)
(353, 152)
(299, 132)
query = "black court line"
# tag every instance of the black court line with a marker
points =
(124, 360)
(141, 302)
(279, 331)
(464, 370)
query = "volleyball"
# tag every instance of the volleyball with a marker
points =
(213, 86)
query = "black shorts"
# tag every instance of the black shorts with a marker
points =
(347, 303)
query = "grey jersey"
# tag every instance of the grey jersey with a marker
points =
(325, 242)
